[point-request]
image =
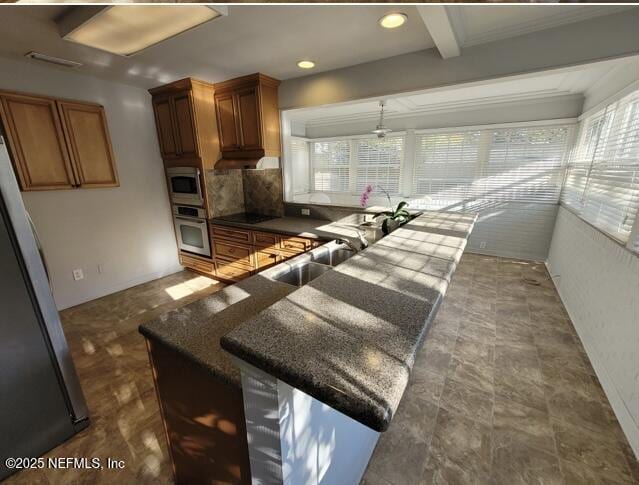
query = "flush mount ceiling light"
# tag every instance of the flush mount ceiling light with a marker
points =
(381, 131)
(306, 64)
(393, 20)
(128, 29)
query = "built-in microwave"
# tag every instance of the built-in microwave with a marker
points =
(191, 230)
(185, 186)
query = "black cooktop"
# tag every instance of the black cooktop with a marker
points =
(246, 218)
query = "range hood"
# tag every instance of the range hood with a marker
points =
(229, 163)
(247, 163)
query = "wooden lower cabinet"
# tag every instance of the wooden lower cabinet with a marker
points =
(239, 252)
(203, 418)
(200, 265)
(232, 271)
(265, 258)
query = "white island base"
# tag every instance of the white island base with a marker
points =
(295, 439)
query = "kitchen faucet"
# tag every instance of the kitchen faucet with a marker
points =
(362, 241)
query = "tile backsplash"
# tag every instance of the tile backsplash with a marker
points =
(263, 191)
(233, 191)
(225, 191)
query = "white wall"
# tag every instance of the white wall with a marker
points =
(598, 281)
(599, 38)
(128, 229)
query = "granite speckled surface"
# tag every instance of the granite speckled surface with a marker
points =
(195, 329)
(349, 337)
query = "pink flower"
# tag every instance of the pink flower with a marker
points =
(363, 199)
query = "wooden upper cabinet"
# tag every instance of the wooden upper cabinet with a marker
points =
(57, 144)
(36, 141)
(185, 126)
(248, 116)
(87, 135)
(226, 122)
(186, 122)
(165, 127)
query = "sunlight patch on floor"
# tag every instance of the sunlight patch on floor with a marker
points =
(186, 288)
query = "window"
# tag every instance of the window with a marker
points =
(379, 163)
(602, 179)
(330, 162)
(446, 165)
(349, 165)
(472, 168)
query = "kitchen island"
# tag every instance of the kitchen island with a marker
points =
(324, 367)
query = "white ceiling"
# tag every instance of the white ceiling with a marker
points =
(573, 81)
(478, 24)
(271, 38)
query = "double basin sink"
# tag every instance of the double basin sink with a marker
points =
(306, 267)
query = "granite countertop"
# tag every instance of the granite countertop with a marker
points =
(299, 226)
(349, 337)
(194, 330)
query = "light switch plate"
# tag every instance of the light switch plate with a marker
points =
(78, 274)
(305, 212)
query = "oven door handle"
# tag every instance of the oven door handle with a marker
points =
(196, 221)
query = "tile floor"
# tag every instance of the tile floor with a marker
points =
(113, 367)
(501, 393)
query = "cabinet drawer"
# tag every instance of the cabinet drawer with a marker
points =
(264, 259)
(197, 264)
(296, 244)
(265, 239)
(231, 271)
(233, 252)
(231, 234)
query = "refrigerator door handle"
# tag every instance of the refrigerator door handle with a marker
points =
(39, 244)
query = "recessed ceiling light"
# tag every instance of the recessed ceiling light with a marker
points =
(393, 20)
(306, 64)
(128, 29)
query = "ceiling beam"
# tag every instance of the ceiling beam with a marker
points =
(441, 29)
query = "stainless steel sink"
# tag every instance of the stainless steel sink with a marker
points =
(300, 274)
(334, 256)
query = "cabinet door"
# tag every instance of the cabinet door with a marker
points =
(185, 126)
(35, 136)
(165, 127)
(247, 101)
(89, 144)
(265, 258)
(227, 122)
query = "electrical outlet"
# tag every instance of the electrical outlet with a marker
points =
(482, 245)
(78, 274)
(306, 212)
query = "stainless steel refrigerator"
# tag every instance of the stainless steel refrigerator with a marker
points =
(41, 402)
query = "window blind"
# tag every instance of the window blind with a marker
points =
(300, 165)
(330, 164)
(379, 163)
(602, 180)
(501, 164)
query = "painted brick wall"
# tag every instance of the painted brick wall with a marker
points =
(598, 281)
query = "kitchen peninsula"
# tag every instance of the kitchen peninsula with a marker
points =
(316, 372)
